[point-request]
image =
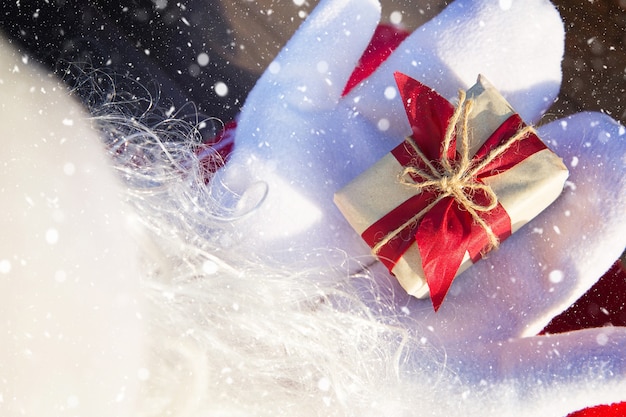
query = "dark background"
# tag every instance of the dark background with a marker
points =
(158, 42)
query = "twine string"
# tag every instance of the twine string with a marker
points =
(455, 178)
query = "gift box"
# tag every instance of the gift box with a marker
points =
(465, 179)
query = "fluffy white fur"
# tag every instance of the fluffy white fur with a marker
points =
(143, 291)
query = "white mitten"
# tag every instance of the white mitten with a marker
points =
(298, 141)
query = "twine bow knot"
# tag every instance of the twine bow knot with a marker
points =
(455, 178)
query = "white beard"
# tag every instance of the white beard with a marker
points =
(124, 293)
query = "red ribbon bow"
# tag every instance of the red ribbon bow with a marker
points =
(450, 221)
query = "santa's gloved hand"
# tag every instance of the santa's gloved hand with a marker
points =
(299, 140)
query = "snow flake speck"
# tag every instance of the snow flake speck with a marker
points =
(383, 124)
(143, 374)
(323, 384)
(574, 162)
(298, 2)
(60, 276)
(556, 276)
(221, 89)
(209, 267)
(68, 122)
(570, 185)
(120, 395)
(602, 339)
(160, 4)
(274, 67)
(72, 401)
(395, 17)
(505, 4)
(203, 59)
(604, 136)
(69, 169)
(52, 236)
(322, 67)
(5, 266)
(194, 70)
(390, 93)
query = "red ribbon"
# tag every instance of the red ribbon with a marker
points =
(447, 231)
